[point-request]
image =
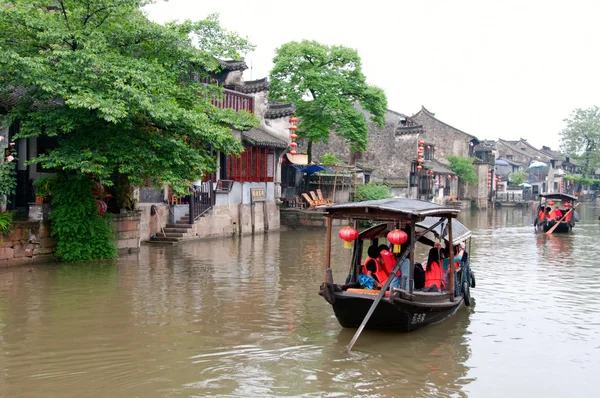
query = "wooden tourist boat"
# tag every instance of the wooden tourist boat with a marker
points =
(561, 223)
(403, 308)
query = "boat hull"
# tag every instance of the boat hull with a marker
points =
(563, 228)
(392, 314)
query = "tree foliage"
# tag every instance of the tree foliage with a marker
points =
(330, 158)
(463, 168)
(81, 233)
(326, 83)
(372, 192)
(120, 92)
(580, 139)
(518, 177)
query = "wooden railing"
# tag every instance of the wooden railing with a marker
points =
(201, 200)
(236, 101)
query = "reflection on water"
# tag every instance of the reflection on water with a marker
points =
(242, 317)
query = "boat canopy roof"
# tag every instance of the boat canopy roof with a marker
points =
(460, 233)
(558, 196)
(390, 209)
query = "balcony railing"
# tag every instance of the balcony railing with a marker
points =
(236, 101)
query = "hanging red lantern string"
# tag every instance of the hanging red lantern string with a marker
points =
(397, 237)
(419, 167)
(348, 234)
(293, 135)
(419, 160)
(421, 143)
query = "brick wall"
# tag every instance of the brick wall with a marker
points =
(30, 241)
(388, 154)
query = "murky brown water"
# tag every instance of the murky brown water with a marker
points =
(242, 317)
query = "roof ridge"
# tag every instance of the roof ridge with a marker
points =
(444, 123)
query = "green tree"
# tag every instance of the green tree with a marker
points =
(463, 168)
(330, 158)
(372, 192)
(518, 177)
(326, 83)
(580, 139)
(120, 92)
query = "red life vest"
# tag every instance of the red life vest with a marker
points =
(568, 216)
(434, 275)
(389, 261)
(556, 214)
(541, 215)
(380, 273)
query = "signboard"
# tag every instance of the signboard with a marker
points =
(258, 195)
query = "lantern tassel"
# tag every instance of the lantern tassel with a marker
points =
(347, 245)
(397, 248)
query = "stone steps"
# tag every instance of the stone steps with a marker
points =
(173, 232)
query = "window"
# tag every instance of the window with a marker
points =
(428, 152)
(509, 157)
(254, 165)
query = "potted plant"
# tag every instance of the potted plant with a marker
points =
(43, 189)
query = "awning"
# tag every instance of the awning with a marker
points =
(311, 169)
(300, 158)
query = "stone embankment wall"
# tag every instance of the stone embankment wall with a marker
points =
(30, 242)
(305, 219)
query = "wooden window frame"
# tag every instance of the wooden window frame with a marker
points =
(255, 164)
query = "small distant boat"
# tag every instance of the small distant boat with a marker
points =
(562, 213)
(404, 308)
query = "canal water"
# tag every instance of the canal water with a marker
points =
(242, 318)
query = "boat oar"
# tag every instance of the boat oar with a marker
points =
(377, 300)
(558, 223)
(386, 285)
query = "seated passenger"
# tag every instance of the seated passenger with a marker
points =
(557, 214)
(434, 275)
(568, 211)
(372, 270)
(540, 216)
(548, 214)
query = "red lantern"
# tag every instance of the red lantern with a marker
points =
(293, 128)
(419, 167)
(428, 146)
(433, 149)
(420, 149)
(397, 237)
(449, 176)
(293, 136)
(293, 120)
(421, 142)
(348, 235)
(102, 207)
(293, 145)
(419, 160)
(292, 152)
(456, 177)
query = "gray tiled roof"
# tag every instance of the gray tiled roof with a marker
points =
(251, 86)
(277, 110)
(234, 65)
(259, 137)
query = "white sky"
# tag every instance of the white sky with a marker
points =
(492, 68)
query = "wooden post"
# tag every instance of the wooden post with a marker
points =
(328, 250)
(411, 269)
(334, 184)
(451, 267)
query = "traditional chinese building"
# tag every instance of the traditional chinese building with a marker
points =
(392, 154)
